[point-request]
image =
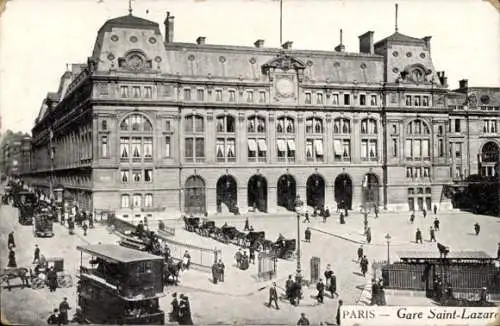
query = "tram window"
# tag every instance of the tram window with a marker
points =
(144, 267)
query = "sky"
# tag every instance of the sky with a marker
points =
(38, 38)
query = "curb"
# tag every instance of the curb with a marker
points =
(338, 236)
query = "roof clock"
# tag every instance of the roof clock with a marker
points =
(284, 86)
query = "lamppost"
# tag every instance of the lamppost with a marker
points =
(365, 199)
(298, 276)
(388, 238)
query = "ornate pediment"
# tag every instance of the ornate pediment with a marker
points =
(135, 61)
(417, 74)
(285, 63)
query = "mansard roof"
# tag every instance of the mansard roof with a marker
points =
(400, 38)
(130, 21)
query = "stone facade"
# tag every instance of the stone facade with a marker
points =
(152, 124)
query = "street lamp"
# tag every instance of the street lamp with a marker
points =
(388, 238)
(298, 277)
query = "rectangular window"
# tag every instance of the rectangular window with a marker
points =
(125, 201)
(124, 148)
(416, 100)
(136, 200)
(262, 97)
(148, 175)
(426, 149)
(218, 95)
(124, 91)
(364, 149)
(136, 147)
(136, 176)
(262, 146)
(408, 100)
(198, 125)
(148, 147)
(250, 96)
(427, 172)
(137, 91)
(362, 99)
(104, 146)
(319, 98)
(457, 125)
(394, 147)
(309, 150)
(148, 92)
(187, 94)
(252, 149)
(458, 172)
(394, 129)
(200, 94)
(282, 148)
(318, 149)
(188, 149)
(148, 200)
(458, 150)
(418, 172)
(200, 148)
(440, 147)
(335, 99)
(168, 125)
(417, 148)
(373, 100)
(308, 98)
(372, 147)
(408, 149)
(347, 99)
(124, 176)
(167, 146)
(231, 149)
(409, 172)
(232, 96)
(425, 100)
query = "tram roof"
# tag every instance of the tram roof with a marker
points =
(430, 255)
(117, 254)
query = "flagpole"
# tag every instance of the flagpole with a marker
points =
(281, 22)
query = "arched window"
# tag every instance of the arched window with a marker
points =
(148, 200)
(125, 201)
(314, 126)
(369, 126)
(341, 126)
(257, 142)
(136, 139)
(225, 148)
(256, 124)
(194, 141)
(342, 139)
(417, 143)
(285, 141)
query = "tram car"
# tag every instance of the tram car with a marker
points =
(121, 286)
(26, 201)
(191, 224)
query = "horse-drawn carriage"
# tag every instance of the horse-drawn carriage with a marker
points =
(206, 228)
(191, 223)
(254, 239)
(284, 248)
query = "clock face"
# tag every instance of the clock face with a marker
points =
(284, 86)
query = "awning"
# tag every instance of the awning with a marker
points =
(281, 145)
(337, 147)
(291, 144)
(318, 145)
(252, 145)
(262, 145)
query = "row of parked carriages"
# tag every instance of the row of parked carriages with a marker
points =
(282, 248)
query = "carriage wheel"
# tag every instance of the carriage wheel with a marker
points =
(37, 283)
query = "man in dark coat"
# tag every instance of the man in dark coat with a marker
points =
(273, 296)
(424, 212)
(369, 235)
(63, 308)
(333, 285)
(251, 250)
(10, 242)
(477, 228)
(54, 318)
(412, 217)
(52, 279)
(12, 259)
(247, 225)
(418, 236)
(337, 318)
(303, 321)
(238, 257)
(320, 286)
(174, 314)
(308, 235)
(288, 287)
(306, 218)
(364, 265)
(341, 217)
(221, 267)
(432, 234)
(215, 273)
(435, 209)
(36, 255)
(360, 253)
(185, 311)
(436, 224)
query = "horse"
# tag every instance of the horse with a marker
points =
(171, 272)
(13, 273)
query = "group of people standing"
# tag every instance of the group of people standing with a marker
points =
(60, 316)
(181, 310)
(218, 271)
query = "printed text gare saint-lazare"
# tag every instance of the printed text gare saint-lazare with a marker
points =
(405, 313)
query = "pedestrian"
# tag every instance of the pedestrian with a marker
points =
(85, 227)
(324, 216)
(251, 257)
(375, 292)
(432, 234)
(273, 296)
(418, 236)
(91, 221)
(308, 235)
(360, 253)
(63, 309)
(341, 218)
(306, 218)
(288, 287)
(303, 320)
(424, 213)
(337, 318)
(247, 225)
(54, 318)
(71, 226)
(327, 212)
(52, 279)
(215, 273)
(435, 209)
(328, 275)
(320, 286)
(346, 212)
(186, 260)
(436, 224)
(174, 314)
(139, 229)
(368, 235)
(36, 255)
(376, 211)
(364, 265)
(412, 217)
(244, 261)
(185, 311)
(477, 228)
(221, 267)
(12, 259)
(10, 242)
(237, 257)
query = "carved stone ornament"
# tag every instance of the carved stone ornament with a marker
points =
(284, 62)
(241, 116)
(285, 86)
(472, 101)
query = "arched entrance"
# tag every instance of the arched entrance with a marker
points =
(194, 195)
(315, 191)
(287, 192)
(370, 190)
(257, 193)
(489, 158)
(226, 193)
(343, 191)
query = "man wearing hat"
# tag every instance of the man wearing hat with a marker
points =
(273, 296)
(36, 255)
(174, 314)
(52, 279)
(185, 311)
(63, 308)
(54, 318)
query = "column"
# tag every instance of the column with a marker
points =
(242, 197)
(241, 141)
(271, 141)
(328, 146)
(210, 139)
(300, 142)
(272, 204)
(356, 141)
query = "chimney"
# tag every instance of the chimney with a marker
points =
(464, 83)
(201, 40)
(366, 43)
(259, 43)
(427, 41)
(340, 47)
(169, 28)
(287, 45)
